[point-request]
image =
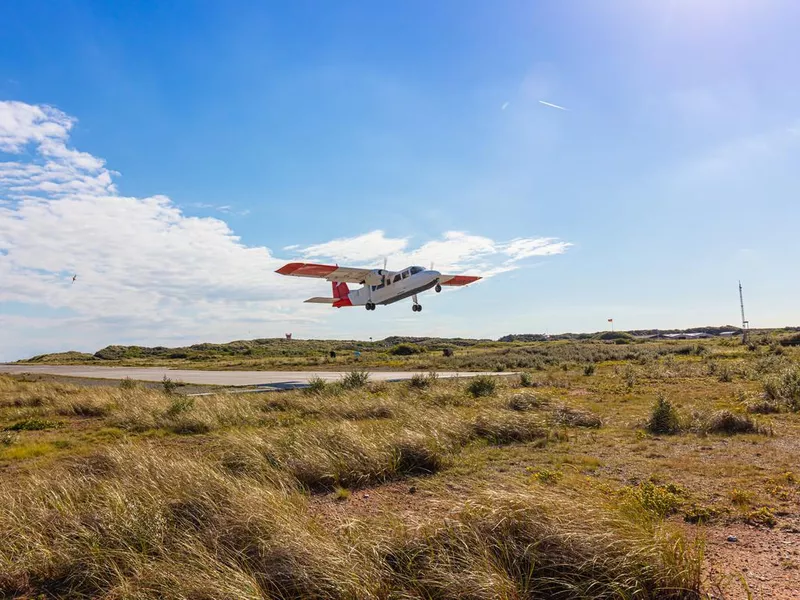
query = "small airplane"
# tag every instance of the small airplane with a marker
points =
(379, 286)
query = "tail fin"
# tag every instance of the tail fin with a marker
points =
(340, 290)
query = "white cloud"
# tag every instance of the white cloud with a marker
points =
(147, 272)
(456, 252)
(369, 248)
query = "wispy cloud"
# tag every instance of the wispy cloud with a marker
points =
(455, 252)
(550, 104)
(505, 105)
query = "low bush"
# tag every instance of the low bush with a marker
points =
(661, 500)
(664, 418)
(523, 402)
(316, 385)
(572, 417)
(525, 379)
(784, 387)
(421, 381)
(725, 421)
(764, 407)
(481, 386)
(355, 379)
(406, 350)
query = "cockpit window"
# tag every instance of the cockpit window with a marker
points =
(416, 270)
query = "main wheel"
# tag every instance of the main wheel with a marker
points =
(419, 307)
(438, 287)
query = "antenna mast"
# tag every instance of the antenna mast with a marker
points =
(745, 322)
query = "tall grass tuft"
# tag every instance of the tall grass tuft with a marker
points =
(482, 386)
(355, 379)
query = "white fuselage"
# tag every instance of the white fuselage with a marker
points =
(395, 286)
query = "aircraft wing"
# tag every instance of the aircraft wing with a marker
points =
(458, 279)
(318, 300)
(329, 272)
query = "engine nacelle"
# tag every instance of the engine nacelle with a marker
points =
(376, 276)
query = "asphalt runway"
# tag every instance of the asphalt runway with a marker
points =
(281, 379)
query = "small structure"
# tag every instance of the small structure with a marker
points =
(288, 336)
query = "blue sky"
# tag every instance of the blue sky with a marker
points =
(186, 146)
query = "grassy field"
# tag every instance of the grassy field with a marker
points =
(603, 470)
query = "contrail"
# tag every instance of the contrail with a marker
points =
(552, 105)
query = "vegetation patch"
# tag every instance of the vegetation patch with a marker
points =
(525, 401)
(730, 423)
(33, 424)
(573, 417)
(507, 428)
(664, 419)
(482, 386)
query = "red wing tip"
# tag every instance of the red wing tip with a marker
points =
(462, 280)
(306, 269)
(289, 268)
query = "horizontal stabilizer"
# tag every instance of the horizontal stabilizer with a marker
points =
(319, 300)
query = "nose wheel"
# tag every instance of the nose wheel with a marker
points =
(438, 287)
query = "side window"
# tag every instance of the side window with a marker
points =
(405, 274)
(397, 278)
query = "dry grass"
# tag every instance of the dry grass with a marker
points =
(552, 490)
(130, 521)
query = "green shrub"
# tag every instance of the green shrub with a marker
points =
(316, 385)
(355, 379)
(33, 424)
(179, 405)
(168, 385)
(662, 500)
(127, 384)
(761, 516)
(785, 387)
(406, 350)
(589, 369)
(663, 418)
(421, 381)
(481, 386)
(525, 379)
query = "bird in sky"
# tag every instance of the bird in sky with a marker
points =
(74, 277)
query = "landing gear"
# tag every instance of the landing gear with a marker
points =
(438, 287)
(416, 307)
(370, 306)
